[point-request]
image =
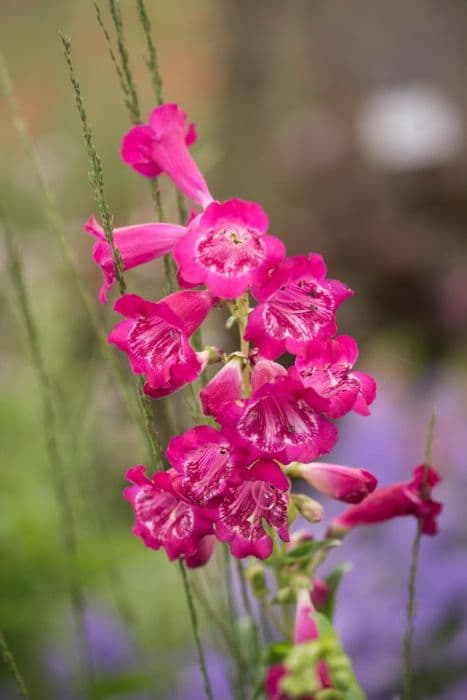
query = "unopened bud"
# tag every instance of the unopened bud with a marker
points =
(255, 575)
(308, 507)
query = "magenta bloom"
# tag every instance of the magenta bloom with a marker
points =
(262, 497)
(224, 387)
(226, 248)
(405, 498)
(136, 245)
(297, 305)
(282, 420)
(347, 484)
(327, 369)
(162, 146)
(163, 520)
(202, 458)
(155, 337)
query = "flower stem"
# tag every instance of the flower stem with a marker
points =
(194, 624)
(412, 590)
(11, 663)
(240, 663)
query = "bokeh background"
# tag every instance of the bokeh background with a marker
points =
(348, 123)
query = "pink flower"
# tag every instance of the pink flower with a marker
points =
(346, 484)
(136, 245)
(406, 498)
(162, 146)
(163, 520)
(155, 337)
(226, 248)
(261, 497)
(202, 458)
(282, 420)
(327, 369)
(297, 305)
(305, 630)
(224, 387)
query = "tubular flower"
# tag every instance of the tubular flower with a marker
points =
(226, 248)
(202, 458)
(163, 520)
(225, 386)
(346, 484)
(297, 305)
(305, 631)
(282, 420)
(162, 146)
(261, 497)
(155, 337)
(136, 244)
(406, 498)
(327, 369)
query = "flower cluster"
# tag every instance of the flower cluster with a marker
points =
(230, 481)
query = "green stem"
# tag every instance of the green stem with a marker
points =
(240, 663)
(11, 663)
(151, 58)
(248, 607)
(412, 585)
(131, 93)
(194, 624)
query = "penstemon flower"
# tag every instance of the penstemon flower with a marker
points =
(156, 337)
(263, 420)
(136, 244)
(406, 498)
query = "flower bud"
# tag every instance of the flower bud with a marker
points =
(255, 575)
(308, 507)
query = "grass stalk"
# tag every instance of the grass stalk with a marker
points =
(50, 427)
(96, 178)
(58, 228)
(13, 666)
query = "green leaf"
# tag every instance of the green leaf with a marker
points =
(333, 580)
(306, 550)
(277, 652)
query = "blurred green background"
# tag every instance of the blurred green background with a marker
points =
(346, 121)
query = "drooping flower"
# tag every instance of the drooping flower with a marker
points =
(326, 368)
(297, 305)
(348, 484)
(202, 458)
(155, 337)
(405, 498)
(282, 419)
(136, 244)
(162, 146)
(261, 497)
(227, 248)
(163, 520)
